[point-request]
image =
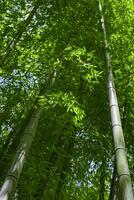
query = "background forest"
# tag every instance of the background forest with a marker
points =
(53, 94)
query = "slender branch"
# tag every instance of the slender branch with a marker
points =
(102, 180)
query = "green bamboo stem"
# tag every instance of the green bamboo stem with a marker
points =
(125, 186)
(18, 162)
(26, 140)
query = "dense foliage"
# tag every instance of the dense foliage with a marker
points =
(72, 155)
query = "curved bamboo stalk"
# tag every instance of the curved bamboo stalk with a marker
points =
(125, 186)
(25, 142)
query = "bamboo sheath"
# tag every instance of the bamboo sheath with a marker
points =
(125, 186)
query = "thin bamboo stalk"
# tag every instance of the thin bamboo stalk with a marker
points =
(18, 34)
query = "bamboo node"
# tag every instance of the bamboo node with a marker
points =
(118, 148)
(11, 175)
(113, 105)
(116, 125)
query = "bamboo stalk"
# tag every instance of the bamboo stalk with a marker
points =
(26, 140)
(125, 186)
(19, 33)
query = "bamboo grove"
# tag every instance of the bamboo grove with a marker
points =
(64, 133)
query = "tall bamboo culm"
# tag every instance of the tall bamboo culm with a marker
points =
(124, 180)
(26, 140)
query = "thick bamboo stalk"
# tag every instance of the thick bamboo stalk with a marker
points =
(17, 164)
(125, 186)
(18, 161)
